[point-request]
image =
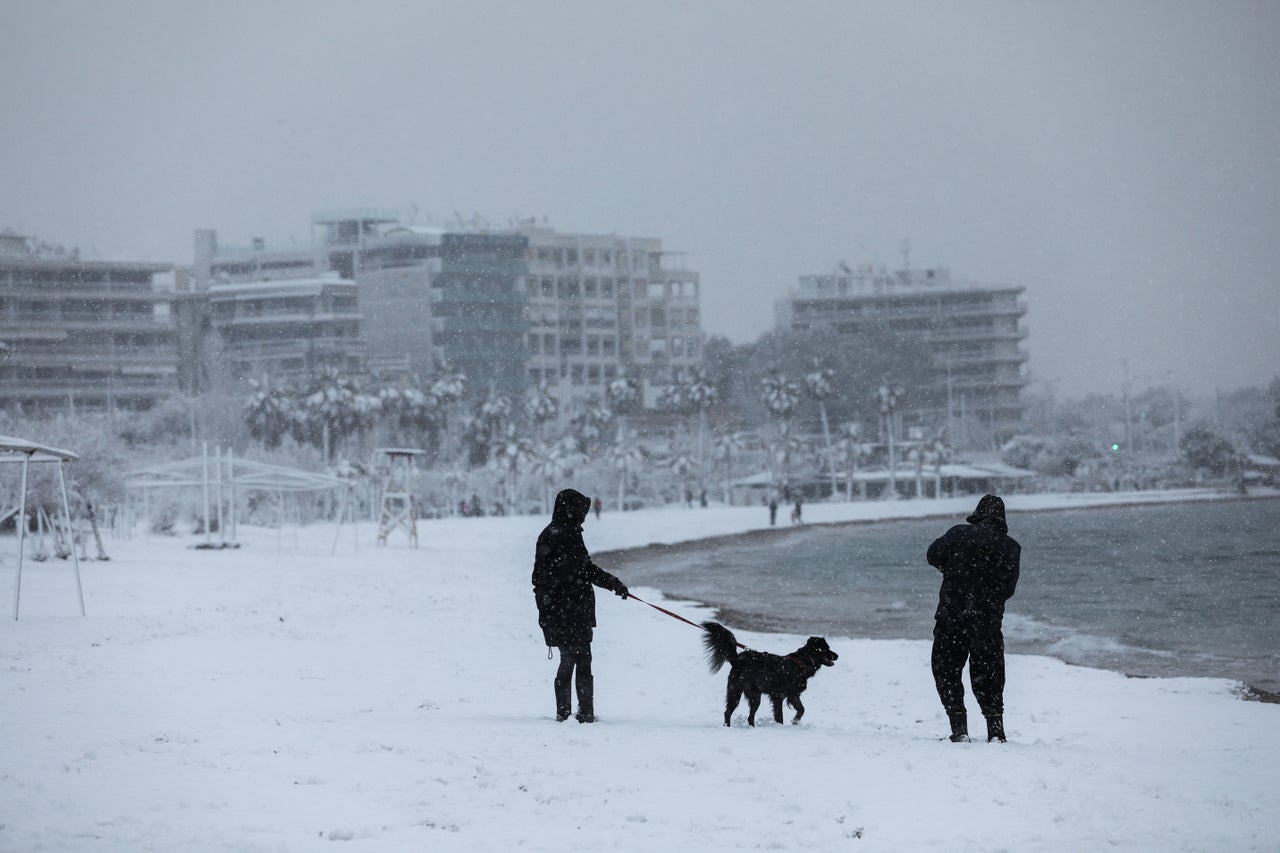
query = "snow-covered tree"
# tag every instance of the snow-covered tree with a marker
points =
(820, 385)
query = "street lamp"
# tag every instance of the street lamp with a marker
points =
(889, 396)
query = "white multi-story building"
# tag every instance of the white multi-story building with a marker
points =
(602, 307)
(972, 331)
(519, 306)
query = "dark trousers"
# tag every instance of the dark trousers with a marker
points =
(982, 646)
(575, 659)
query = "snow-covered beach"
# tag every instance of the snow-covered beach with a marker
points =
(282, 697)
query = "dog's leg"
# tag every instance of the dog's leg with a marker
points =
(777, 708)
(753, 705)
(795, 703)
(732, 697)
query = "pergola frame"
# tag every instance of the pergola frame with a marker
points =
(16, 451)
(231, 473)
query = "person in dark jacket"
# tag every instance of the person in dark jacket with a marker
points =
(563, 579)
(979, 565)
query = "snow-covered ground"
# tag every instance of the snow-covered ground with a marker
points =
(280, 697)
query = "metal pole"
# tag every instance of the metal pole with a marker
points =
(207, 534)
(231, 488)
(22, 534)
(66, 508)
(222, 528)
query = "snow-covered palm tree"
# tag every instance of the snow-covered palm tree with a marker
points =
(780, 396)
(820, 384)
(590, 423)
(269, 413)
(701, 393)
(681, 465)
(509, 453)
(336, 408)
(541, 406)
(449, 389)
(725, 449)
(411, 411)
(625, 455)
(849, 452)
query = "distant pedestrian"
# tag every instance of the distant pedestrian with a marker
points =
(773, 511)
(702, 498)
(597, 505)
(563, 588)
(797, 511)
(979, 564)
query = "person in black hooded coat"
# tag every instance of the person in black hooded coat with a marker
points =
(979, 562)
(563, 588)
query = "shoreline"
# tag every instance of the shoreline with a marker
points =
(773, 536)
(780, 530)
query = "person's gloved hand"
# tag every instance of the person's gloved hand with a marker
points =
(621, 591)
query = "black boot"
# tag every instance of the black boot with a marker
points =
(995, 728)
(959, 727)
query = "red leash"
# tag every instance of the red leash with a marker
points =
(672, 615)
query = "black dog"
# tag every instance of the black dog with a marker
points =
(756, 673)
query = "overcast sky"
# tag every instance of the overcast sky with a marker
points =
(1121, 160)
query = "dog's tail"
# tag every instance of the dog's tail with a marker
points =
(722, 646)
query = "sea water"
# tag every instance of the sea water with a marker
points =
(1173, 589)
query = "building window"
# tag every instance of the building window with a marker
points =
(657, 290)
(642, 316)
(593, 374)
(589, 288)
(593, 345)
(575, 373)
(548, 344)
(608, 348)
(658, 316)
(677, 346)
(606, 288)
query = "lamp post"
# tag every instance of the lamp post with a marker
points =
(889, 397)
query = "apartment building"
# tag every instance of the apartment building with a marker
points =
(604, 306)
(287, 330)
(80, 334)
(511, 307)
(972, 330)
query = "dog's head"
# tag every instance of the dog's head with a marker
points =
(817, 649)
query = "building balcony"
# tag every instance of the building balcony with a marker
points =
(963, 334)
(945, 360)
(824, 311)
(300, 319)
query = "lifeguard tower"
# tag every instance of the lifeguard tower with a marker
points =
(398, 508)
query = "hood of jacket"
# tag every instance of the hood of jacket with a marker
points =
(571, 508)
(990, 512)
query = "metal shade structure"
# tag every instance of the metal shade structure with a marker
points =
(17, 451)
(225, 474)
